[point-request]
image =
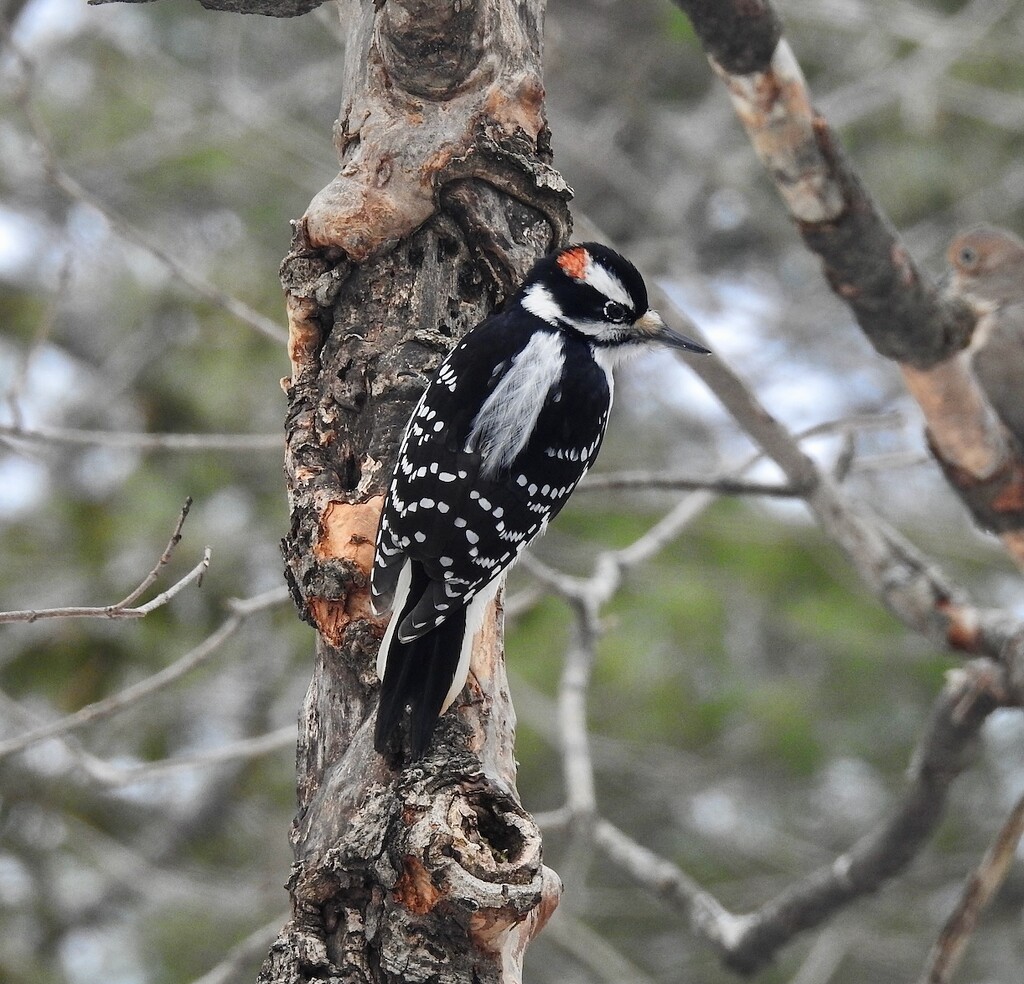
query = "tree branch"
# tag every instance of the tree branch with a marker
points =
(980, 889)
(122, 608)
(900, 311)
(127, 441)
(60, 178)
(904, 580)
(130, 696)
(747, 942)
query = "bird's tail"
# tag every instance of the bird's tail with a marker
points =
(417, 676)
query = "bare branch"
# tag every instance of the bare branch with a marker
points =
(728, 482)
(112, 611)
(616, 481)
(130, 696)
(70, 187)
(982, 885)
(122, 610)
(165, 558)
(748, 941)
(900, 311)
(128, 441)
(161, 599)
(581, 799)
(903, 579)
(244, 951)
(708, 917)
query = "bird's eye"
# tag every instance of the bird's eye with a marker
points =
(968, 256)
(614, 311)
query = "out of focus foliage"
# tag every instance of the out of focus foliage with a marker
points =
(753, 709)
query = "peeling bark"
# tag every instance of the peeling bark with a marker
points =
(445, 197)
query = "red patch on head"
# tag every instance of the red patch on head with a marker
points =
(574, 262)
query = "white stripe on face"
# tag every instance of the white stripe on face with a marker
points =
(603, 280)
(538, 300)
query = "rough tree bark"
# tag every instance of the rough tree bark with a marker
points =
(445, 197)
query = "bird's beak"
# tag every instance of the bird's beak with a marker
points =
(654, 329)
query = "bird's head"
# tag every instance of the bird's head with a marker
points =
(590, 289)
(987, 266)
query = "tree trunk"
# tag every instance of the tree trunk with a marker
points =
(445, 197)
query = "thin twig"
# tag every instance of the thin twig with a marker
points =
(164, 560)
(746, 942)
(979, 890)
(577, 766)
(161, 599)
(67, 184)
(240, 609)
(614, 481)
(130, 696)
(729, 482)
(241, 953)
(123, 609)
(129, 441)
(118, 611)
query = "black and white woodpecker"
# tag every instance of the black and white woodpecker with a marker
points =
(500, 438)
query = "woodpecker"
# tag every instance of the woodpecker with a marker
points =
(502, 435)
(987, 267)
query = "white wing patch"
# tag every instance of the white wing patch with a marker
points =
(401, 594)
(505, 422)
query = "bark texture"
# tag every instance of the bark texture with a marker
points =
(444, 198)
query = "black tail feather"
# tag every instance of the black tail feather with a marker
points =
(417, 676)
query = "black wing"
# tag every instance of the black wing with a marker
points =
(464, 526)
